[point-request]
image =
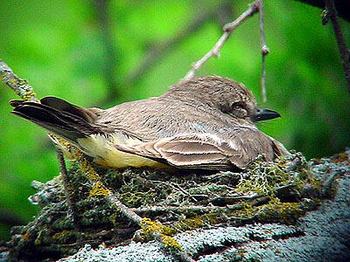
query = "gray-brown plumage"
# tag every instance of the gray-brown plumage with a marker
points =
(204, 123)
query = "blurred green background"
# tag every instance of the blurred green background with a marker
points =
(99, 53)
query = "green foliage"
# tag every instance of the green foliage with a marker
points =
(58, 47)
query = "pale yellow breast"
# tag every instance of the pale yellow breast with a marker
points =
(105, 154)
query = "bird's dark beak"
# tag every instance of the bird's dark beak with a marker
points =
(265, 114)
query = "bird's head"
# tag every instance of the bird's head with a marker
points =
(228, 96)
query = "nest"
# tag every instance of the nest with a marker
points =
(279, 191)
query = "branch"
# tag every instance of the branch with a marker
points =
(161, 49)
(19, 85)
(343, 50)
(68, 190)
(343, 6)
(110, 57)
(264, 50)
(200, 209)
(228, 29)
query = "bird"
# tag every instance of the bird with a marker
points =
(205, 123)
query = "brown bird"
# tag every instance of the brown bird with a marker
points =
(205, 123)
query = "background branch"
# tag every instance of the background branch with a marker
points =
(343, 50)
(264, 50)
(228, 29)
(161, 49)
(110, 56)
(343, 6)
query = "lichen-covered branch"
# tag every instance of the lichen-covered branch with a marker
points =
(228, 29)
(19, 85)
(69, 191)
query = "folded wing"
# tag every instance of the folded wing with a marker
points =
(205, 151)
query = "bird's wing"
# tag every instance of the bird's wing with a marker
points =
(198, 151)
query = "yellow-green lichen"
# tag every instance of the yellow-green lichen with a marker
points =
(150, 227)
(153, 229)
(170, 242)
(98, 189)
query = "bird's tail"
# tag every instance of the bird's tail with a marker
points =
(58, 116)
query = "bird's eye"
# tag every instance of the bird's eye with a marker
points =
(238, 109)
(236, 106)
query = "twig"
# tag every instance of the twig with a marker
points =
(343, 50)
(69, 193)
(127, 212)
(177, 187)
(131, 215)
(264, 50)
(181, 209)
(228, 29)
(200, 209)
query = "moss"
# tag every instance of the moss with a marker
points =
(65, 236)
(247, 211)
(137, 199)
(263, 178)
(189, 223)
(277, 211)
(87, 169)
(62, 223)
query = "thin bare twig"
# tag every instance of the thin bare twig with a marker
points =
(343, 50)
(264, 50)
(69, 192)
(228, 29)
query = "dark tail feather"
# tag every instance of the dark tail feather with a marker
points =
(62, 105)
(57, 116)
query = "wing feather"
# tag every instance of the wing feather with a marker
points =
(202, 151)
(205, 151)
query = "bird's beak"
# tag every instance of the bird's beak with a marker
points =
(265, 114)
